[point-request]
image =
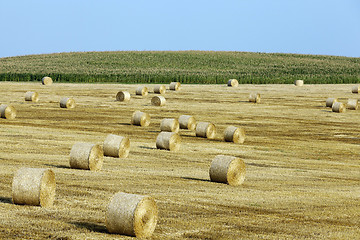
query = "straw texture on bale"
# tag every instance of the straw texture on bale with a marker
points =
(205, 130)
(254, 97)
(330, 101)
(123, 96)
(233, 83)
(227, 169)
(168, 140)
(132, 215)
(187, 122)
(34, 186)
(160, 89)
(352, 104)
(31, 96)
(175, 86)
(158, 101)
(299, 82)
(234, 134)
(87, 156)
(169, 125)
(355, 89)
(7, 111)
(116, 146)
(67, 103)
(338, 107)
(140, 119)
(46, 81)
(143, 91)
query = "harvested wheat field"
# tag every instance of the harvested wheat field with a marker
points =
(302, 162)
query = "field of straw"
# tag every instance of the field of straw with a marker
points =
(302, 162)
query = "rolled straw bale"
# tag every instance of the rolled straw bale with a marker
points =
(86, 156)
(355, 89)
(338, 107)
(330, 101)
(46, 81)
(175, 86)
(299, 82)
(169, 125)
(123, 96)
(227, 169)
(187, 122)
(67, 103)
(254, 97)
(31, 96)
(34, 186)
(168, 140)
(132, 215)
(352, 104)
(233, 83)
(116, 146)
(7, 111)
(234, 134)
(158, 101)
(205, 129)
(160, 89)
(140, 119)
(143, 91)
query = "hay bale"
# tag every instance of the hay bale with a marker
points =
(233, 83)
(227, 169)
(205, 129)
(168, 140)
(67, 103)
(34, 186)
(31, 96)
(187, 122)
(175, 86)
(7, 111)
(116, 146)
(299, 82)
(132, 215)
(158, 101)
(160, 89)
(355, 89)
(87, 156)
(352, 104)
(169, 125)
(123, 96)
(234, 134)
(330, 101)
(140, 119)
(143, 91)
(46, 81)
(338, 107)
(254, 97)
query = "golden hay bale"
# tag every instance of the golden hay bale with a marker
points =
(158, 101)
(175, 86)
(169, 125)
(205, 129)
(168, 140)
(234, 134)
(338, 107)
(160, 89)
(187, 122)
(254, 97)
(352, 104)
(116, 146)
(143, 91)
(132, 215)
(31, 96)
(233, 83)
(330, 101)
(140, 119)
(355, 89)
(7, 111)
(299, 82)
(46, 81)
(86, 156)
(227, 169)
(34, 186)
(67, 103)
(123, 96)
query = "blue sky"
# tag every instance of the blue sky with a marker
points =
(328, 27)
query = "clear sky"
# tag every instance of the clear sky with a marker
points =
(329, 27)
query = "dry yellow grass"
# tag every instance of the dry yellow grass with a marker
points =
(302, 163)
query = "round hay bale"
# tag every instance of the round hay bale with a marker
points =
(187, 122)
(299, 82)
(338, 107)
(352, 104)
(87, 156)
(31, 96)
(160, 89)
(234, 134)
(123, 96)
(116, 146)
(254, 97)
(158, 101)
(46, 81)
(34, 186)
(205, 130)
(140, 119)
(132, 215)
(7, 111)
(175, 86)
(355, 89)
(233, 83)
(330, 101)
(168, 140)
(67, 103)
(227, 169)
(169, 125)
(143, 91)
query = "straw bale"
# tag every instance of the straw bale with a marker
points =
(234, 134)
(87, 156)
(143, 91)
(158, 101)
(227, 169)
(31, 96)
(140, 119)
(123, 96)
(67, 103)
(205, 130)
(187, 122)
(116, 146)
(46, 81)
(175, 86)
(254, 97)
(338, 107)
(160, 89)
(169, 125)
(233, 83)
(168, 140)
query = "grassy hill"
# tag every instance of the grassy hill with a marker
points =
(183, 66)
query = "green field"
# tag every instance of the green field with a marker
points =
(203, 67)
